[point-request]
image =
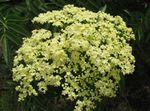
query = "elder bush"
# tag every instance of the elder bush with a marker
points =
(85, 53)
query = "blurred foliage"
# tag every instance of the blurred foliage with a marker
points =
(15, 23)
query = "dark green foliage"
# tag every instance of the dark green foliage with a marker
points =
(15, 19)
(15, 23)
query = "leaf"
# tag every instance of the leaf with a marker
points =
(103, 9)
(4, 7)
(15, 18)
(18, 29)
(93, 3)
(140, 34)
(147, 20)
(127, 12)
(6, 50)
(13, 37)
(122, 84)
(58, 4)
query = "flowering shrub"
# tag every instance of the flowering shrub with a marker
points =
(85, 53)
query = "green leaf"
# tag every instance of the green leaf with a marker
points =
(140, 33)
(18, 29)
(93, 3)
(15, 18)
(122, 85)
(6, 50)
(103, 9)
(4, 7)
(13, 37)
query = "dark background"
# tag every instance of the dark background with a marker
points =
(15, 23)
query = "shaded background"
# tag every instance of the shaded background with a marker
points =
(15, 23)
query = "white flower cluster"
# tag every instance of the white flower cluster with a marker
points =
(85, 56)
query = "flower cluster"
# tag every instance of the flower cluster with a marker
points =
(85, 56)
